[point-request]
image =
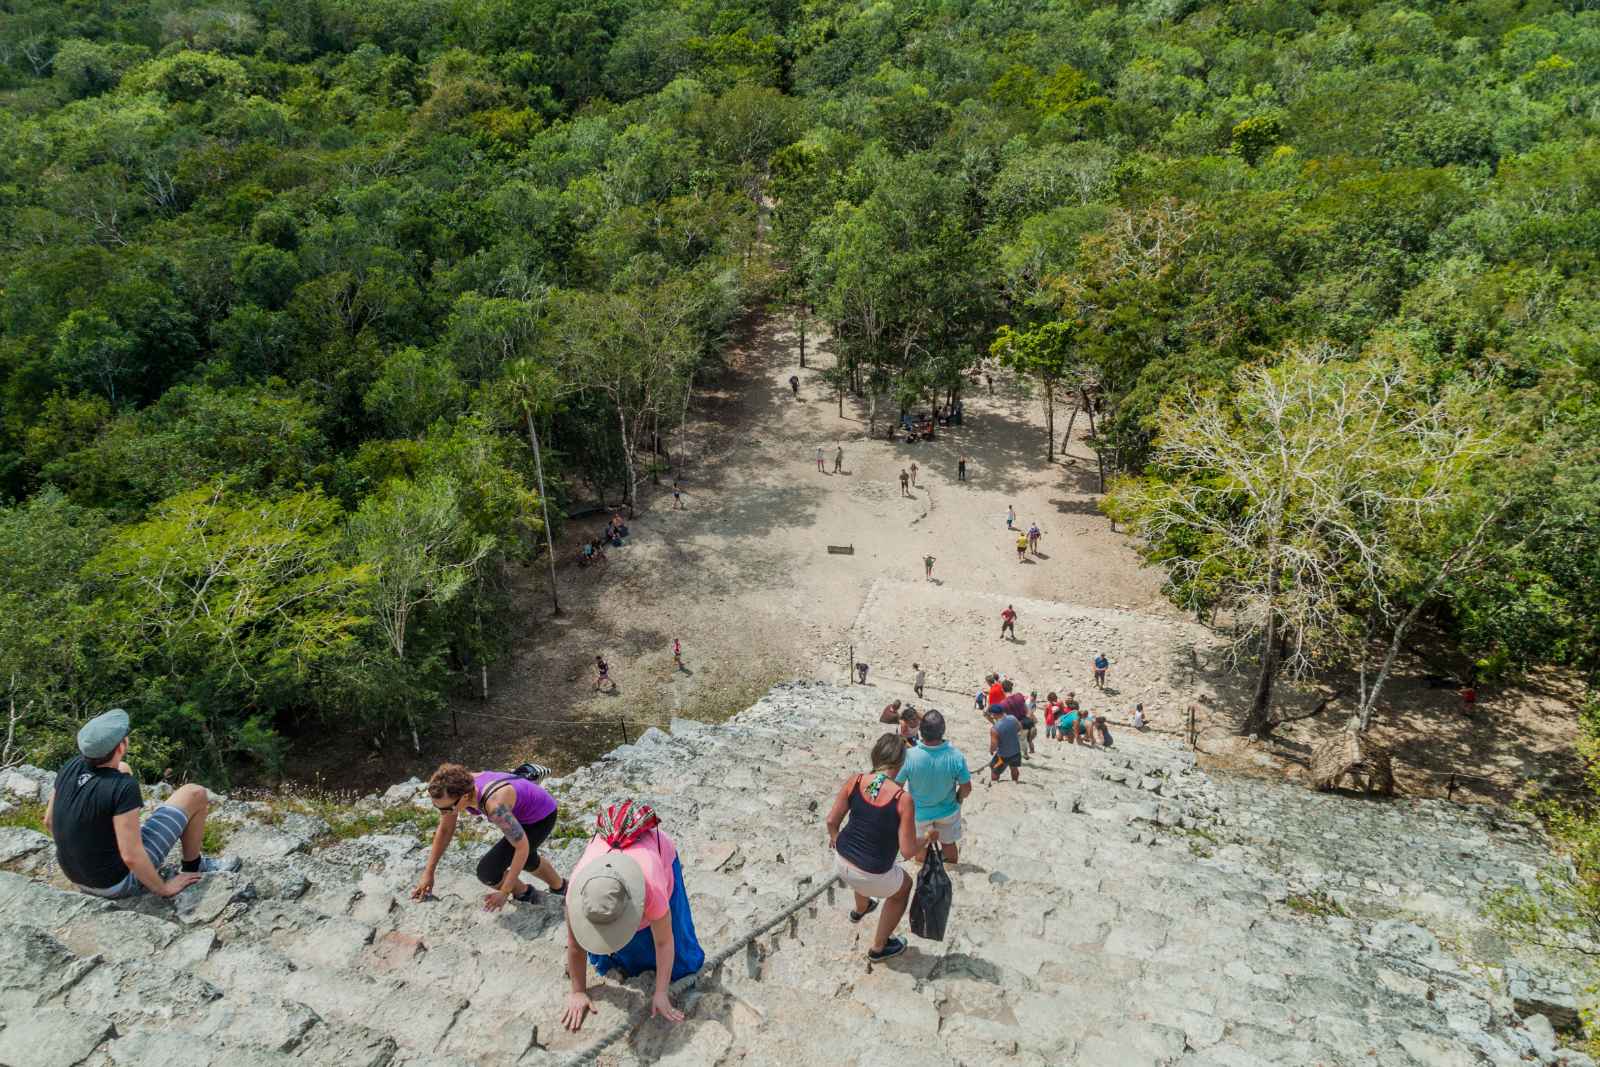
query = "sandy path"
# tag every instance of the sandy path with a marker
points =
(743, 578)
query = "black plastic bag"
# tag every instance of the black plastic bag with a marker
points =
(930, 902)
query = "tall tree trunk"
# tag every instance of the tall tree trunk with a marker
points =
(1461, 555)
(1066, 438)
(1088, 406)
(628, 462)
(544, 504)
(802, 335)
(1049, 421)
(1259, 719)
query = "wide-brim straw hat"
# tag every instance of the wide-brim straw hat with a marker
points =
(605, 902)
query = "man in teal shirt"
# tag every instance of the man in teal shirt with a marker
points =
(936, 775)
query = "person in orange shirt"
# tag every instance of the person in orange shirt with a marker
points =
(997, 692)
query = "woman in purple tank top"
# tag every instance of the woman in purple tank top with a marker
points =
(522, 810)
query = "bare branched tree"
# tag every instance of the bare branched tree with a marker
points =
(1289, 500)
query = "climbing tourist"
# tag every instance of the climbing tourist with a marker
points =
(628, 910)
(1005, 745)
(1086, 728)
(521, 809)
(838, 460)
(979, 699)
(905, 481)
(861, 671)
(936, 774)
(1103, 726)
(1067, 726)
(93, 815)
(909, 722)
(1008, 622)
(1138, 717)
(919, 678)
(927, 568)
(1016, 706)
(677, 655)
(1100, 665)
(997, 689)
(872, 818)
(1052, 711)
(913, 474)
(1022, 547)
(890, 715)
(1034, 533)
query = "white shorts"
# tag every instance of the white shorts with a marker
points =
(949, 828)
(880, 886)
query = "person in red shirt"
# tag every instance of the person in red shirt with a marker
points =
(1052, 711)
(997, 692)
(1008, 621)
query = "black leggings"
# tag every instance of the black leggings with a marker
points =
(492, 867)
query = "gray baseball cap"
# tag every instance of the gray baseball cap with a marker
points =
(100, 736)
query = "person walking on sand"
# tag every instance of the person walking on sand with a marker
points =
(1100, 665)
(1008, 622)
(838, 460)
(819, 460)
(905, 480)
(913, 474)
(919, 678)
(677, 655)
(794, 384)
(927, 568)
(1011, 517)
(1022, 547)
(1034, 533)
(677, 496)
(961, 469)
(861, 669)
(872, 818)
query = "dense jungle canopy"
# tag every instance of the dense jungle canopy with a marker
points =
(289, 286)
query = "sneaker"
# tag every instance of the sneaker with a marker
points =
(560, 892)
(219, 865)
(857, 916)
(891, 948)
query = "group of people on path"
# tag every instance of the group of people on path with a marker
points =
(1027, 540)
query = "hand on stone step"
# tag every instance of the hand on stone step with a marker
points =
(494, 901)
(578, 1008)
(661, 1007)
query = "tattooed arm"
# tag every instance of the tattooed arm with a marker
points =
(501, 815)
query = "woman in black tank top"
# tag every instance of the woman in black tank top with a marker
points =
(871, 819)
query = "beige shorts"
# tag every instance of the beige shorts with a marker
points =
(880, 886)
(949, 828)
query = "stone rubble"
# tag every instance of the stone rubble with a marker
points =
(1119, 907)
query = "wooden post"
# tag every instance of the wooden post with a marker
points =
(1192, 737)
(622, 727)
(850, 666)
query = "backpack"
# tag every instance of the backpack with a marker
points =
(533, 772)
(623, 824)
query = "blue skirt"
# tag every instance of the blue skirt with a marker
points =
(639, 954)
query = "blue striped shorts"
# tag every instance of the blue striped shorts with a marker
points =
(158, 834)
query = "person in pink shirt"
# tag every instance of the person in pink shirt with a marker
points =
(627, 910)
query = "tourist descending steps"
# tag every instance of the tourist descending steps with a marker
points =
(936, 774)
(93, 814)
(1005, 744)
(877, 818)
(628, 910)
(521, 809)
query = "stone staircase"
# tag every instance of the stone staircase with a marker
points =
(1118, 907)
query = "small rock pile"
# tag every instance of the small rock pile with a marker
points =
(1118, 907)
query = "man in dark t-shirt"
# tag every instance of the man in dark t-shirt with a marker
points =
(93, 814)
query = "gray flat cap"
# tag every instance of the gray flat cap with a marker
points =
(103, 733)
